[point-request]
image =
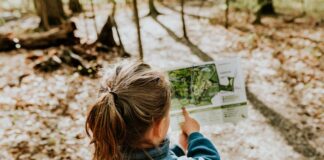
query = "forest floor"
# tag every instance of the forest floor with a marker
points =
(42, 114)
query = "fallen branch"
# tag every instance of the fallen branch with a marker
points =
(306, 38)
(7, 43)
(62, 35)
(69, 58)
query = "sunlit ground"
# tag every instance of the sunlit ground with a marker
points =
(42, 115)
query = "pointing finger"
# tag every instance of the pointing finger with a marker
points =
(185, 113)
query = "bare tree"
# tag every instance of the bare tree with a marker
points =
(265, 9)
(85, 25)
(140, 47)
(94, 17)
(121, 45)
(185, 35)
(106, 36)
(75, 6)
(51, 13)
(153, 11)
(226, 13)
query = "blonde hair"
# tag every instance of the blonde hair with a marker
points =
(132, 98)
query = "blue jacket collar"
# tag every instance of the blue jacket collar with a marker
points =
(156, 153)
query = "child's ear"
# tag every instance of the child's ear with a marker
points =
(157, 128)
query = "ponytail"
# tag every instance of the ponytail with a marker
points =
(133, 98)
(107, 127)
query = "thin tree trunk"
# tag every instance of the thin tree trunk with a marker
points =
(140, 48)
(257, 17)
(153, 11)
(85, 26)
(185, 35)
(121, 45)
(75, 6)
(94, 17)
(113, 12)
(226, 13)
(61, 10)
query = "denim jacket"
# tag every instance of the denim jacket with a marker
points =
(199, 148)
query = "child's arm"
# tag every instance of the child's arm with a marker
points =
(178, 151)
(201, 147)
(198, 145)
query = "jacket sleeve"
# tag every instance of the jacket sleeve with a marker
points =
(200, 147)
(177, 150)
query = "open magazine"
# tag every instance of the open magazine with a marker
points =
(212, 92)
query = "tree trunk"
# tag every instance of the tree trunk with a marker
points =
(185, 35)
(265, 9)
(140, 47)
(94, 17)
(153, 11)
(106, 36)
(75, 6)
(226, 13)
(123, 52)
(51, 13)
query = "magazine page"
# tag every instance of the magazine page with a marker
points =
(212, 92)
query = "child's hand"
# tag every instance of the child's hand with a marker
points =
(190, 125)
(183, 141)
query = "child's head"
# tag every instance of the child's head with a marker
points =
(131, 112)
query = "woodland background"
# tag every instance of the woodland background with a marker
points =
(53, 52)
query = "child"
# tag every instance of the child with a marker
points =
(130, 120)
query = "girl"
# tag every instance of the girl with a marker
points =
(130, 120)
